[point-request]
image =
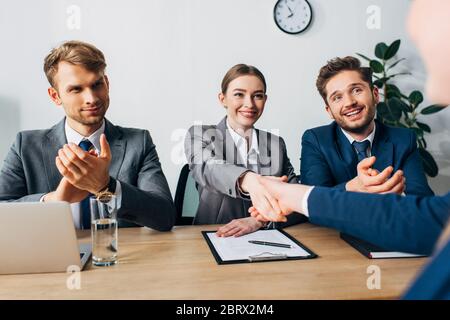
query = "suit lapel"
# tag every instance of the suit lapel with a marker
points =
(382, 148)
(51, 143)
(228, 147)
(118, 145)
(56, 138)
(346, 153)
(265, 153)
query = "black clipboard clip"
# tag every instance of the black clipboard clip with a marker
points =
(267, 256)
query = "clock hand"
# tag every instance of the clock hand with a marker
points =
(290, 10)
(296, 7)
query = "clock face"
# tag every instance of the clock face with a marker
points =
(292, 16)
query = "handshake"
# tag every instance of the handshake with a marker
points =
(281, 198)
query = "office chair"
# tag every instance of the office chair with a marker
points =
(186, 198)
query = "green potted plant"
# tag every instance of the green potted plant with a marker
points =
(397, 109)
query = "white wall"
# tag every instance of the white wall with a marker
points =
(166, 60)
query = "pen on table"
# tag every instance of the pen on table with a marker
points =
(273, 244)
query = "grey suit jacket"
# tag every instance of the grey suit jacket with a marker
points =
(212, 157)
(29, 172)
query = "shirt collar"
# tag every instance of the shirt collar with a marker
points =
(370, 137)
(239, 140)
(74, 137)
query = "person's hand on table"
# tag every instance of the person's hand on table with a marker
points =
(239, 227)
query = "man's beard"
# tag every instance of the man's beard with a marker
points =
(93, 120)
(360, 128)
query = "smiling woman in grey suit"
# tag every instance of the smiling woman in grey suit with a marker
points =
(226, 159)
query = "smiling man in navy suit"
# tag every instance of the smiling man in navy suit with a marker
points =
(405, 223)
(330, 153)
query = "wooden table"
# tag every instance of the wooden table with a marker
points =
(179, 265)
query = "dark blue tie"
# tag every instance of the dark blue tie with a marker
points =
(361, 149)
(86, 145)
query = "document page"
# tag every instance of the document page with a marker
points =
(239, 248)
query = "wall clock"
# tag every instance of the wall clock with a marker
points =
(292, 16)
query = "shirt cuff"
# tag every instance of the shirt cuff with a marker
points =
(42, 198)
(304, 205)
(238, 185)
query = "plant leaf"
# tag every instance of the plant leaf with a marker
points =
(423, 126)
(396, 106)
(416, 98)
(418, 131)
(382, 111)
(392, 50)
(395, 63)
(432, 109)
(392, 91)
(424, 143)
(399, 74)
(378, 83)
(363, 56)
(376, 66)
(380, 50)
(428, 162)
(390, 115)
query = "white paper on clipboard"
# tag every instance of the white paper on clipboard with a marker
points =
(238, 248)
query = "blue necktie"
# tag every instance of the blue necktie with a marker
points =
(86, 145)
(361, 149)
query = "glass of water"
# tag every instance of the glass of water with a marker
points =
(104, 230)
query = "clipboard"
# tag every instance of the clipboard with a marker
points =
(269, 253)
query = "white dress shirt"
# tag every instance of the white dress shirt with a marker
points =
(249, 157)
(370, 137)
(74, 137)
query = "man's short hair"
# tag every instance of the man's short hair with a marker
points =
(337, 65)
(74, 52)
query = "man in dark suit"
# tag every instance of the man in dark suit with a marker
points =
(330, 153)
(85, 154)
(409, 223)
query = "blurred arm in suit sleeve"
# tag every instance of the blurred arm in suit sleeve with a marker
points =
(416, 181)
(391, 221)
(149, 203)
(409, 224)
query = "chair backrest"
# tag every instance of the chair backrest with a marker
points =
(186, 198)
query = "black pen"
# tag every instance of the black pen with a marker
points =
(273, 244)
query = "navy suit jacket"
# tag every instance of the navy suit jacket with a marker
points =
(400, 223)
(329, 160)
(394, 222)
(434, 281)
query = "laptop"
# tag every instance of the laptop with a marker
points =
(37, 237)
